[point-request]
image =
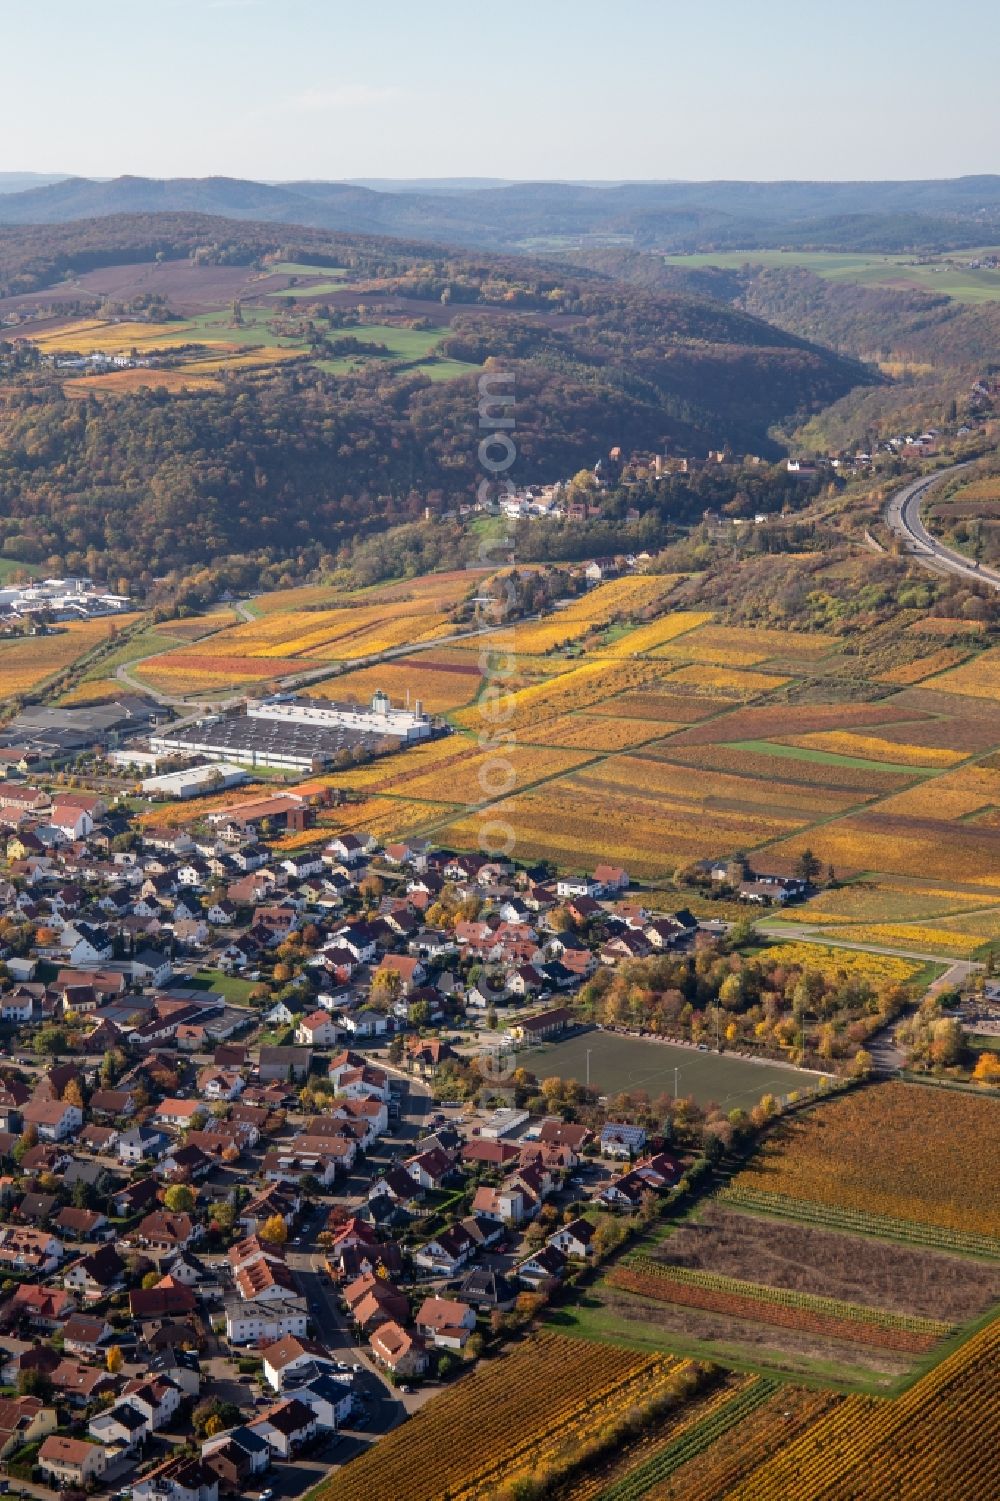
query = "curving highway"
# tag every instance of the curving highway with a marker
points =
(902, 516)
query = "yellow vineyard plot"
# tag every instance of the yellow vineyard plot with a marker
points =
(542, 635)
(576, 689)
(597, 732)
(97, 691)
(392, 773)
(730, 646)
(726, 680)
(928, 848)
(956, 794)
(96, 336)
(709, 788)
(878, 969)
(646, 638)
(27, 661)
(620, 597)
(439, 689)
(979, 677)
(579, 825)
(384, 817)
(917, 937)
(874, 748)
(885, 901)
(384, 635)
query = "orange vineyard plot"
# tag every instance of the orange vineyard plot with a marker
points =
(542, 1399)
(925, 667)
(904, 1151)
(579, 826)
(940, 1439)
(928, 848)
(439, 687)
(979, 677)
(947, 625)
(187, 671)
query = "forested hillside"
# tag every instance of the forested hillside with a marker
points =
(288, 465)
(932, 347)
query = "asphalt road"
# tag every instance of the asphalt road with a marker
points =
(902, 516)
(384, 1406)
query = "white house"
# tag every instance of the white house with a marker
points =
(446, 1322)
(286, 1426)
(150, 967)
(157, 1398)
(54, 1120)
(86, 944)
(247, 1322)
(71, 1462)
(330, 1398)
(121, 1427)
(575, 1239)
(317, 1030)
(286, 1356)
(18, 1006)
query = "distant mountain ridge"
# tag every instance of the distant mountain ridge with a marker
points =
(932, 214)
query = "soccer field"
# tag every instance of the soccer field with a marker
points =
(629, 1063)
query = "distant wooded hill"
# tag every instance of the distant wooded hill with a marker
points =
(888, 216)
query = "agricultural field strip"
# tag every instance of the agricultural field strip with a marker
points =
(860, 1222)
(938, 1441)
(637, 1454)
(710, 1475)
(549, 1389)
(792, 1298)
(738, 1313)
(692, 1441)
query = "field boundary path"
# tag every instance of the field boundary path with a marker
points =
(902, 517)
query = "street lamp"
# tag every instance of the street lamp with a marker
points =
(589, 1051)
(676, 1076)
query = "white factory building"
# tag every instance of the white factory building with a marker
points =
(377, 718)
(195, 781)
(297, 734)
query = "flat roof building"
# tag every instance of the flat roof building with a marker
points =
(195, 781)
(297, 733)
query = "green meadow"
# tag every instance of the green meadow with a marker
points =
(945, 275)
(299, 268)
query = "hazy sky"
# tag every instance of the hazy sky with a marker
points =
(550, 88)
